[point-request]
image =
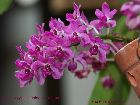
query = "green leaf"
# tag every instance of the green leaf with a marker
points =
(123, 30)
(121, 27)
(123, 1)
(4, 5)
(115, 96)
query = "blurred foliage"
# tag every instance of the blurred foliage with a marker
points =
(4, 5)
(123, 1)
(115, 96)
(123, 30)
(121, 26)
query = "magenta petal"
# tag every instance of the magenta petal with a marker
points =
(133, 23)
(56, 73)
(106, 47)
(99, 14)
(39, 77)
(82, 61)
(76, 9)
(94, 22)
(126, 6)
(23, 78)
(21, 75)
(21, 51)
(112, 13)
(84, 17)
(85, 40)
(24, 83)
(112, 23)
(87, 58)
(21, 64)
(56, 25)
(136, 9)
(40, 28)
(75, 6)
(28, 58)
(34, 39)
(52, 23)
(131, 9)
(37, 67)
(119, 45)
(70, 52)
(30, 46)
(97, 40)
(102, 55)
(137, 1)
(66, 42)
(82, 28)
(69, 17)
(105, 8)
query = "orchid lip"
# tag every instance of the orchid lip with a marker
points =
(59, 49)
(27, 71)
(47, 67)
(37, 48)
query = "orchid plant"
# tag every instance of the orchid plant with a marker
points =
(89, 45)
(79, 43)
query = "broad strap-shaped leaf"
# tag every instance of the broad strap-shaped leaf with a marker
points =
(115, 96)
(4, 5)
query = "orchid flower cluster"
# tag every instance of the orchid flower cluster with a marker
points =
(76, 47)
(131, 10)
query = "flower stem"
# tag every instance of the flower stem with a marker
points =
(108, 41)
(116, 38)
